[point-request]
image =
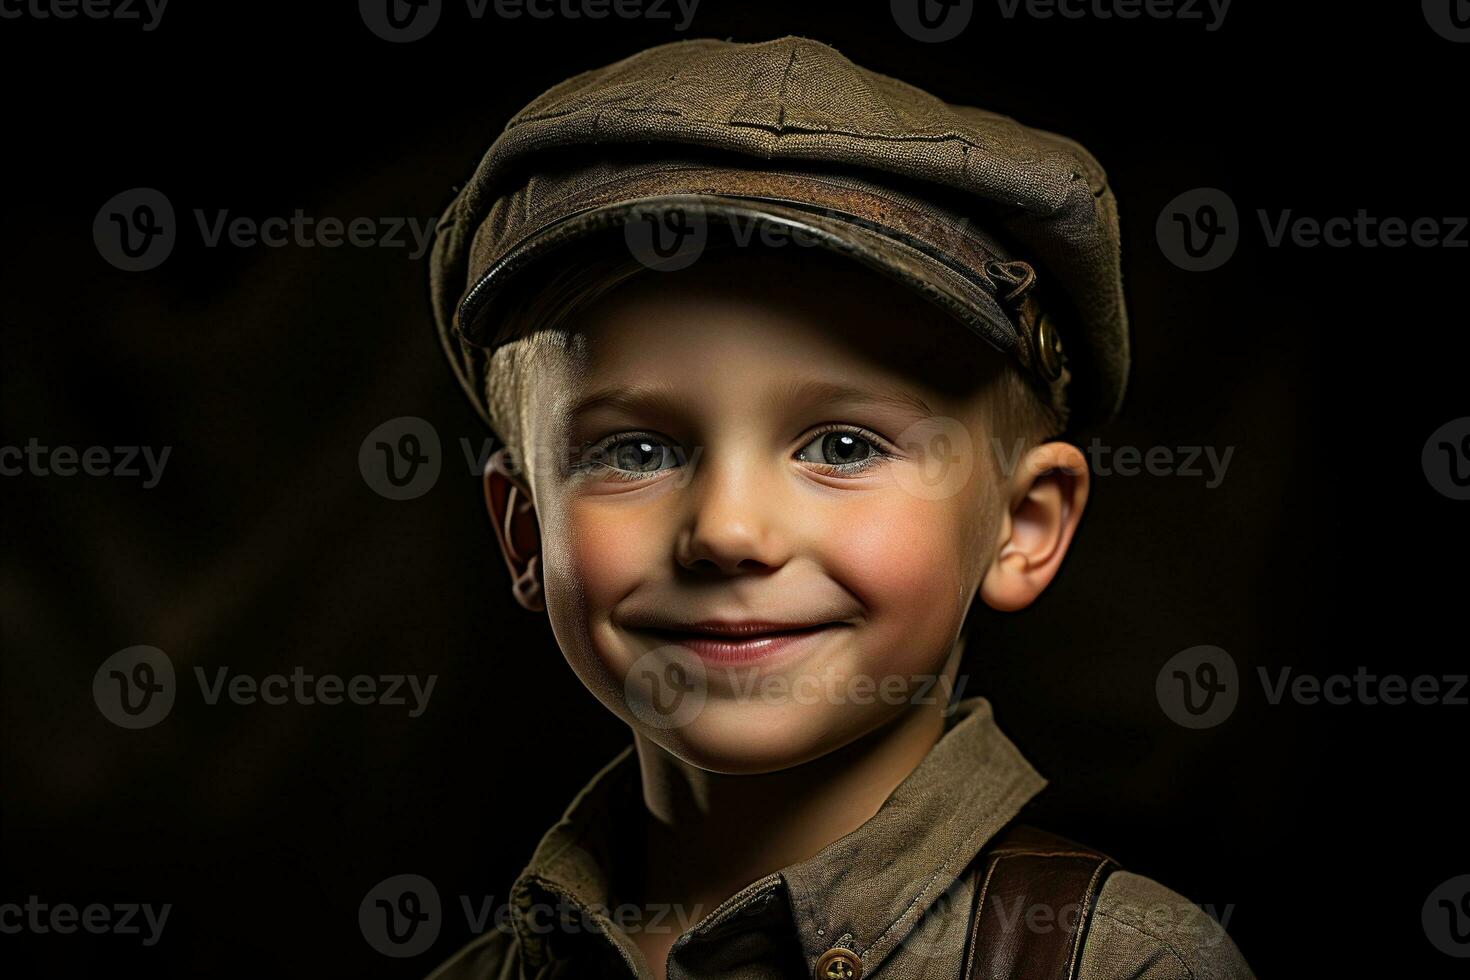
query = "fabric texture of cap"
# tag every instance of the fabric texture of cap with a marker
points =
(1011, 229)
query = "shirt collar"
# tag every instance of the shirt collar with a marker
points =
(866, 890)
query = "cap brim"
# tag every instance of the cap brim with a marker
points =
(670, 231)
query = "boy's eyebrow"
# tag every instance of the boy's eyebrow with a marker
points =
(813, 390)
(657, 399)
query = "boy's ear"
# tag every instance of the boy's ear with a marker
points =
(513, 516)
(1045, 498)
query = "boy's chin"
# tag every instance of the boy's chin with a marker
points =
(746, 739)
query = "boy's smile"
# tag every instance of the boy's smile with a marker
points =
(735, 493)
(733, 641)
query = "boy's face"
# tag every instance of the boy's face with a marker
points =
(781, 499)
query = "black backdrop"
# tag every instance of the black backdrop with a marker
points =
(1320, 829)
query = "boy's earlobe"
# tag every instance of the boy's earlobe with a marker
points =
(513, 515)
(1044, 503)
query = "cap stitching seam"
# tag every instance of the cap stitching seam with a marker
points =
(783, 128)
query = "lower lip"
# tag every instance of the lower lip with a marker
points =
(733, 650)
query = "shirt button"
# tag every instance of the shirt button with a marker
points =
(839, 963)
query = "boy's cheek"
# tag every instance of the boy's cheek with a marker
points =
(908, 569)
(896, 555)
(609, 551)
(593, 557)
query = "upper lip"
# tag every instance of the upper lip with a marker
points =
(732, 627)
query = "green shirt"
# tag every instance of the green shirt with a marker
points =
(893, 890)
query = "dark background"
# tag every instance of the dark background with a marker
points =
(1321, 828)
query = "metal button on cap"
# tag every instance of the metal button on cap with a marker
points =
(839, 963)
(1048, 348)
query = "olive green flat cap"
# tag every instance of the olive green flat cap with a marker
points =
(1012, 229)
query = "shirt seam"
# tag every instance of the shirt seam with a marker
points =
(1017, 789)
(581, 821)
(1159, 940)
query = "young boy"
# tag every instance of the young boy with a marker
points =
(778, 349)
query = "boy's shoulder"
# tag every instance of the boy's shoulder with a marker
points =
(1142, 928)
(491, 956)
(1030, 892)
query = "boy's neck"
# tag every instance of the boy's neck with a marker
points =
(709, 835)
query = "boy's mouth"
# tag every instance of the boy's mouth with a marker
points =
(734, 642)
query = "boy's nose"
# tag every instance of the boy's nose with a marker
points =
(734, 524)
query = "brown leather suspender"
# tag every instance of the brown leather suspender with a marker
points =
(1034, 897)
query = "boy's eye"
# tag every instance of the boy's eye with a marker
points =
(836, 448)
(841, 448)
(632, 454)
